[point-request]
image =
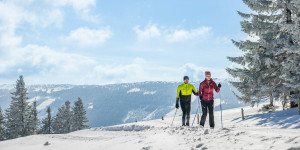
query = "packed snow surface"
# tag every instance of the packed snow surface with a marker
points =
(278, 130)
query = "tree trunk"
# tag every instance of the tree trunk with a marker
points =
(271, 99)
(284, 102)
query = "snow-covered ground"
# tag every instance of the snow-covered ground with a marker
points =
(259, 131)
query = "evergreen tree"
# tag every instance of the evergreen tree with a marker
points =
(46, 123)
(1, 126)
(291, 48)
(79, 116)
(57, 124)
(62, 120)
(259, 78)
(17, 114)
(32, 122)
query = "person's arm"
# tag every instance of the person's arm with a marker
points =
(194, 90)
(177, 97)
(178, 92)
(200, 94)
(216, 87)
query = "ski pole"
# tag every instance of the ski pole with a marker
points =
(221, 109)
(196, 113)
(199, 103)
(174, 117)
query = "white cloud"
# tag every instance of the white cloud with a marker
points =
(11, 16)
(54, 17)
(170, 35)
(14, 14)
(87, 16)
(47, 63)
(58, 67)
(42, 64)
(182, 35)
(81, 7)
(118, 72)
(76, 4)
(89, 37)
(196, 73)
(141, 70)
(43, 56)
(9, 39)
(46, 13)
(151, 31)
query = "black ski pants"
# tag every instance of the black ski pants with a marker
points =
(185, 104)
(210, 106)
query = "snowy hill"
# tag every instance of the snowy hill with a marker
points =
(116, 103)
(277, 131)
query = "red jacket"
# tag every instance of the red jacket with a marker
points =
(206, 89)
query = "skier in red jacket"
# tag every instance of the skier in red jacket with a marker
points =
(206, 94)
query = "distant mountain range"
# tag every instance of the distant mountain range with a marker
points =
(116, 103)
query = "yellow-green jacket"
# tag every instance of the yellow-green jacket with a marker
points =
(185, 89)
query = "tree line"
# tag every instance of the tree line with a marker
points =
(269, 68)
(21, 118)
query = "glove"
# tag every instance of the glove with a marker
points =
(219, 85)
(177, 105)
(201, 98)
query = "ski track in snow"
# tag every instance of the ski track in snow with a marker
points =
(276, 131)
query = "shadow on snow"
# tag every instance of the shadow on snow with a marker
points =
(284, 118)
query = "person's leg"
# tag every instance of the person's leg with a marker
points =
(183, 108)
(204, 112)
(211, 114)
(188, 110)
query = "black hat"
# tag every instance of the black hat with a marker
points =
(185, 77)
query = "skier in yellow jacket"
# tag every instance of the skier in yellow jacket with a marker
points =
(184, 92)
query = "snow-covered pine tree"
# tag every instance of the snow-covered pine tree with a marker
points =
(291, 48)
(67, 116)
(259, 77)
(46, 123)
(16, 115)
(274, 45)
(79, 116)
(62, 120)
(252, 76)
(1, 126)
(32, 122)
(57, 124)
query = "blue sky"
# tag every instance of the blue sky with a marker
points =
(101, 42)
